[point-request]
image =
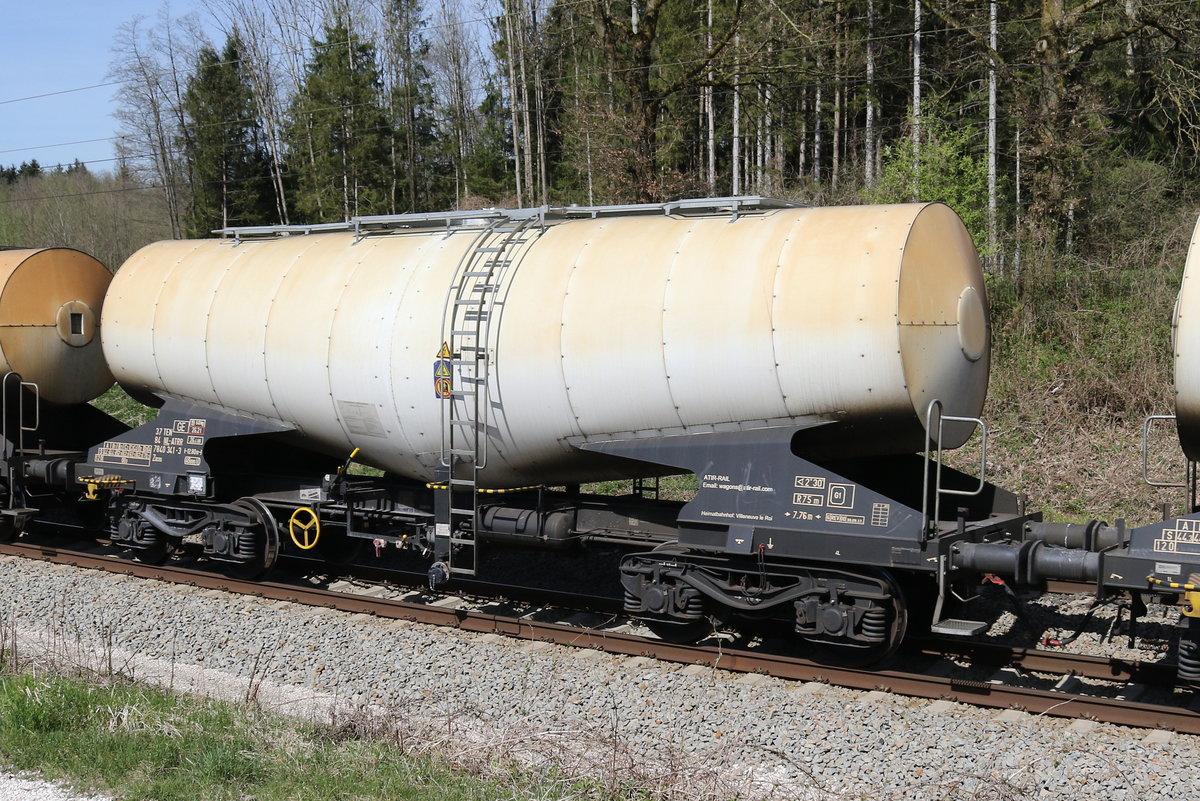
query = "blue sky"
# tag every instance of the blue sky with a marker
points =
(55, 45)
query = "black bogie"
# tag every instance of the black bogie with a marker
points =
(825, 604)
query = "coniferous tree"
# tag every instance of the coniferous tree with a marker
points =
(339, 137)
(229, 165)
(488, 165)
(409, 95)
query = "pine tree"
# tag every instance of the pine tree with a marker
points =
(229, 166)
(409, 96)
(339, 138)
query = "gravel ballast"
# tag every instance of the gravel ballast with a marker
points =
(16, 787)
(474, 698)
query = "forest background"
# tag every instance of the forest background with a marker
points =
(1066, 133)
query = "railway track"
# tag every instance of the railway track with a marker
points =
(1059, 701)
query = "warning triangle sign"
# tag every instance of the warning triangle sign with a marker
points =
(441, 368)
(444, 353)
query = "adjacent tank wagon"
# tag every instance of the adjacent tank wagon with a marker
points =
(51, 300)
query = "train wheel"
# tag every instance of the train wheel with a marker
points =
(890, 622)
(266, 543)
(155, 554)
(680, 632)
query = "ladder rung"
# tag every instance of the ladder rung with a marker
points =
(463, 571)
(465, 422)
(462, 482)
(471, 379)
(490, 249)
(464, 332)
(462, 393)
(454, 510)
(478, 274)
(484, 287)
(461, 452)
(468, 302)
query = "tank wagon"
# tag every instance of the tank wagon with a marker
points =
(51, 300)
(50, 305)
(797, 360)
(809, 365)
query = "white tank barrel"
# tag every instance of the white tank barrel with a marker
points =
(50, 307)
(598, 328)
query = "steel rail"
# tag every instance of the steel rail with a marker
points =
(1062, 663)
(975, 693)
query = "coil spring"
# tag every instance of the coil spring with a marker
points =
(246, 545)
(874, 624)
(1189, 661)
(1188, 671)
(692, 605)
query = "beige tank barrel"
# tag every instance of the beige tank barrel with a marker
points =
(612, 327)
(1186, 342)
(50, 308)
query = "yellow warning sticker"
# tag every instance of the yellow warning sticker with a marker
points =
(444, 353)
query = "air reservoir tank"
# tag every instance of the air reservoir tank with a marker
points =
(602, 325)
(50, 308)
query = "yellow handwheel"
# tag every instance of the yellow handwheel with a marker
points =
(304, 527)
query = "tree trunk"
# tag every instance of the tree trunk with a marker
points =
(869, 128)
(513, 102)
(710, 107)
(992, 222)
(737, 120)
(916, 94)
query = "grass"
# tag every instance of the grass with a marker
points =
(117, 403)
(671, 488)
(138, 742)
(1081, 354)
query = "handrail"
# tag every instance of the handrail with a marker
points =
(938, 489)
(484, 218)
(1146, 424)
(21, 428)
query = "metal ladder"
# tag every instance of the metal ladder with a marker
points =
(472, 304)
(929, 523)
(13, 429)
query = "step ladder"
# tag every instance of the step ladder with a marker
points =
(473, 303)
(929, 527)
(16, 421)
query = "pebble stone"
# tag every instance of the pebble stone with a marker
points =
(17, 787)
(703, 733)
